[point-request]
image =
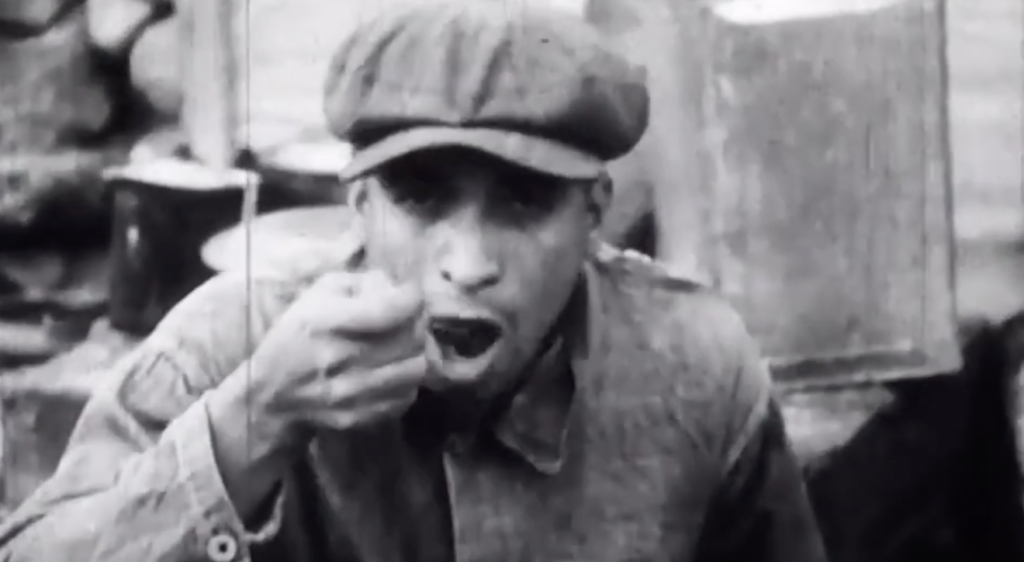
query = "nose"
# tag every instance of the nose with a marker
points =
(468, 258)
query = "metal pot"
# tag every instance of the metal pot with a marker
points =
(305, 172)
(164, 211)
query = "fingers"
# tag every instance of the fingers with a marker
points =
(365, 304)
(392, 382)
(382, 308)
(334, 284)
(398, 376)
(316, 260)
(350, 283)
(369, 413)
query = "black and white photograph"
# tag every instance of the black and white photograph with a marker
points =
(511, 281)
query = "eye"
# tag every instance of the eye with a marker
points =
(529, 195)
(411, 192)
(534, 199)
(418, 188)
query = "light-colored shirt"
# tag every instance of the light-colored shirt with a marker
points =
(647, 432)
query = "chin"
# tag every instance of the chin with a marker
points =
(482, 374)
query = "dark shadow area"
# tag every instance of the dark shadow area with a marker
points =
(935, 476)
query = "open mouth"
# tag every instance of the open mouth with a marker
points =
(465, 338)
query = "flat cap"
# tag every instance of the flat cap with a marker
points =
(531, 85)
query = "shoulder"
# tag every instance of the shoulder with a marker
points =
(679, 319)
(695, 352)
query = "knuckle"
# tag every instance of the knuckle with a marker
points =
(334, 281)
(377, 280)
(342, 395)
(305, 320)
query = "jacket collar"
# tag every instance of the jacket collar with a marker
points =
(537, 421)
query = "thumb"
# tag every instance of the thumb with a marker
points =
(382, 308)
(319, 259)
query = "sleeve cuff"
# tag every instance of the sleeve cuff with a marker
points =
(192, 441)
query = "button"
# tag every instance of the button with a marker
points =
(222, 548)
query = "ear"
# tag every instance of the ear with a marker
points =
(359, 195)
(599, 198)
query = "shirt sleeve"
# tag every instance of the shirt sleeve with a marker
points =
(138, 480)
(761, 511)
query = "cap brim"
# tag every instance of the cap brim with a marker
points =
(535, 153)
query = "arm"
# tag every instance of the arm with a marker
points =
(761, 512)
(139, 480)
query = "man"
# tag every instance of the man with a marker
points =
(480, 380)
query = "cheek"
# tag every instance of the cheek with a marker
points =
(546, 257)
(543, 269)
(561, 243)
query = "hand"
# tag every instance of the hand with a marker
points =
(345, 354)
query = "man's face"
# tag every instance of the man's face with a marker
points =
(497, 249)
